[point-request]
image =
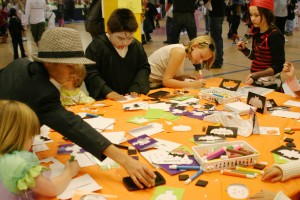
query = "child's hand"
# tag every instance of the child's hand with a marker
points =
(199, 83)
(72, 167)
(289, 70)
(249, 80)
(115, 96)
(241, 45)
(273, 174)
(263, 195)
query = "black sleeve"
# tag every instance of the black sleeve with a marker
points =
(276, 43)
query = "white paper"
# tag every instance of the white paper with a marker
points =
(257, 90)
(165, 145)
(100, 123)
(164, 106)
(292, 103)
(85, 183)
(264, 130)
(149, 129)
(40, 147)
(115, 137)
(286, 114)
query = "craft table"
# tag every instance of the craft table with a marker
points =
(111, 180)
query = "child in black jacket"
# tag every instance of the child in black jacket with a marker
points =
(15, 29)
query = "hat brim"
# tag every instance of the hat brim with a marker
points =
(76, 60)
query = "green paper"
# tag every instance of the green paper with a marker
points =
(279, 159)
(182, 97)
(163, 192)
(154, 113)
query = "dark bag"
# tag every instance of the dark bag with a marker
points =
(94, 23)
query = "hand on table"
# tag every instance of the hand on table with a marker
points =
(72, 167)
(273, 174)
(140, 173)
(199, 83)
(289, 70)
(263, 195)
(249, 80)
(115, 96)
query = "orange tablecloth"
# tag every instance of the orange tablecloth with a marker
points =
(111, 180)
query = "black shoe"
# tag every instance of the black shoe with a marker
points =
(167, 42)
(216, 67)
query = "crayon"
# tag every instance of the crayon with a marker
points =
(249, 170)
(215, 154)
(292, 129)
(184, 167)
(194, 176)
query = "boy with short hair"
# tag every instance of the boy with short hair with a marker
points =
(121, 63)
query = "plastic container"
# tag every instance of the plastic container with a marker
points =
(218, 164)
(219, 94)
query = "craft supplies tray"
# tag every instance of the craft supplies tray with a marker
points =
(219, 94)
(218, 164)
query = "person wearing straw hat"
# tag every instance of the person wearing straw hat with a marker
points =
(31, 83)
(267, 53)
(121, 62)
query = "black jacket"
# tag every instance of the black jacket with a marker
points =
(29, 83)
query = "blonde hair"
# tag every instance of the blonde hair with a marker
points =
(80, 73)
(203, 41)
(18, 124)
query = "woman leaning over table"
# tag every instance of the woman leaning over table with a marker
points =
(267, 53)
(167, 63)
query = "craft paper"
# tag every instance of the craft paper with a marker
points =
(142, 142)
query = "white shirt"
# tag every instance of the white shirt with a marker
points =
(35, 11)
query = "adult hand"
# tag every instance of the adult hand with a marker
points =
(115, 96)
(273, 174)
(289, 70)
(134, 94)
(263, 195)
(72, 167)
(140, 173)
(249, 80)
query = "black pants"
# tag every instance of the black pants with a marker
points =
(17, 41)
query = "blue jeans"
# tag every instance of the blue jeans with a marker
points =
(180, 21)
(289, 26)
(216, 34)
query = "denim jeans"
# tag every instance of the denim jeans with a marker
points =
(180, 21)
(289, 25)
(216, 34)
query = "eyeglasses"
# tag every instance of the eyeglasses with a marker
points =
(211, 46)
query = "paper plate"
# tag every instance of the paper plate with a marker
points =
(238, 191)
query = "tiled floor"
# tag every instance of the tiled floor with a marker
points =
(236, 66)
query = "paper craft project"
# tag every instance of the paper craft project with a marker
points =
(164, 157)
(257, 101)
(182, 97)
(165, 145)
(222, 131)
(286, 114)
(271, 109)
(142, 142)
(264, 130)
(183, 150)
(208, 139)
(166, 167)
(84, 183)
(139, 120)
(41, 139)
(230, 84)
(168, 193)
(100, 123)
(69, 149)
(199, 114)
(287, 152)
(136, 106)
(270, 103)
(189, 101)
(254, 121)
(149, 129)
(56, 167)
(40, 148)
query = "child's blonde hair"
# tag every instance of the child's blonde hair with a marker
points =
(80, 75)
(203, 41)
(18, 124)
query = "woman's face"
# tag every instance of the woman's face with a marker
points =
(255, 17)
(198, 55)
(121, 40)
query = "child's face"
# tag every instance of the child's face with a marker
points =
(198, 55)
(121, 40)
(255, 17)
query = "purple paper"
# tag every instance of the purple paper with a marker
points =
(177, 171)
(142, 142)
(62, 149)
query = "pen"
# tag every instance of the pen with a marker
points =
(215, 154)
(249, 170)
(193, 177)
(200, 74)
(91, 115)
(124, 147)
(184, 167)
(292, 129)
(229, 173)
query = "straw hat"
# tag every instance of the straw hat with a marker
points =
(61, 45)
(268, 4)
